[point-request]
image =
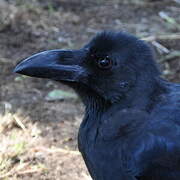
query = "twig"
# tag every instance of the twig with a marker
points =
(30, 171)
(168, 19)
(55, 150)
(14, 170)
(19, 170)
(20, 124)
(160, 47)
(162, 37)
(170, 56)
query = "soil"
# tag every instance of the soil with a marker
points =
(39, 137)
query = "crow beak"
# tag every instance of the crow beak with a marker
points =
(59, 65)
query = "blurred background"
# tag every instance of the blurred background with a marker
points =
(39, 119)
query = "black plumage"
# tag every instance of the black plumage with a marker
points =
(131, 127)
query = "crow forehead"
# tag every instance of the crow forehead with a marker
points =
(110, 41)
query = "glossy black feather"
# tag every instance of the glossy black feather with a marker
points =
(131, 127)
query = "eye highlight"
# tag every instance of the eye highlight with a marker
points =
(105, 63)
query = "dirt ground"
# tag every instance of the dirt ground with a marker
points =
(38, 134)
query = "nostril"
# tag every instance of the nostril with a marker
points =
(65, 60)
(66, 56)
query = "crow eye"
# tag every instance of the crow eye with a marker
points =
(105, 63)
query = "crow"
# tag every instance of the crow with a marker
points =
(131, 126)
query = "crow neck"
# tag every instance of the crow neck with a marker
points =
(146, 94)
(95, 106)
(143, 96)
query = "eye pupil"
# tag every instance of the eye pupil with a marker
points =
(104, 63)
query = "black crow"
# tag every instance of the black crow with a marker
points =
(131, 127)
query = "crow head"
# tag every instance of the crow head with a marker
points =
(110, 66)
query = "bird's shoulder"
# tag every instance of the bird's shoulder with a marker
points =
(159, 145)
(167, 111)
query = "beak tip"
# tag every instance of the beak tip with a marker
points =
(17, 70)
